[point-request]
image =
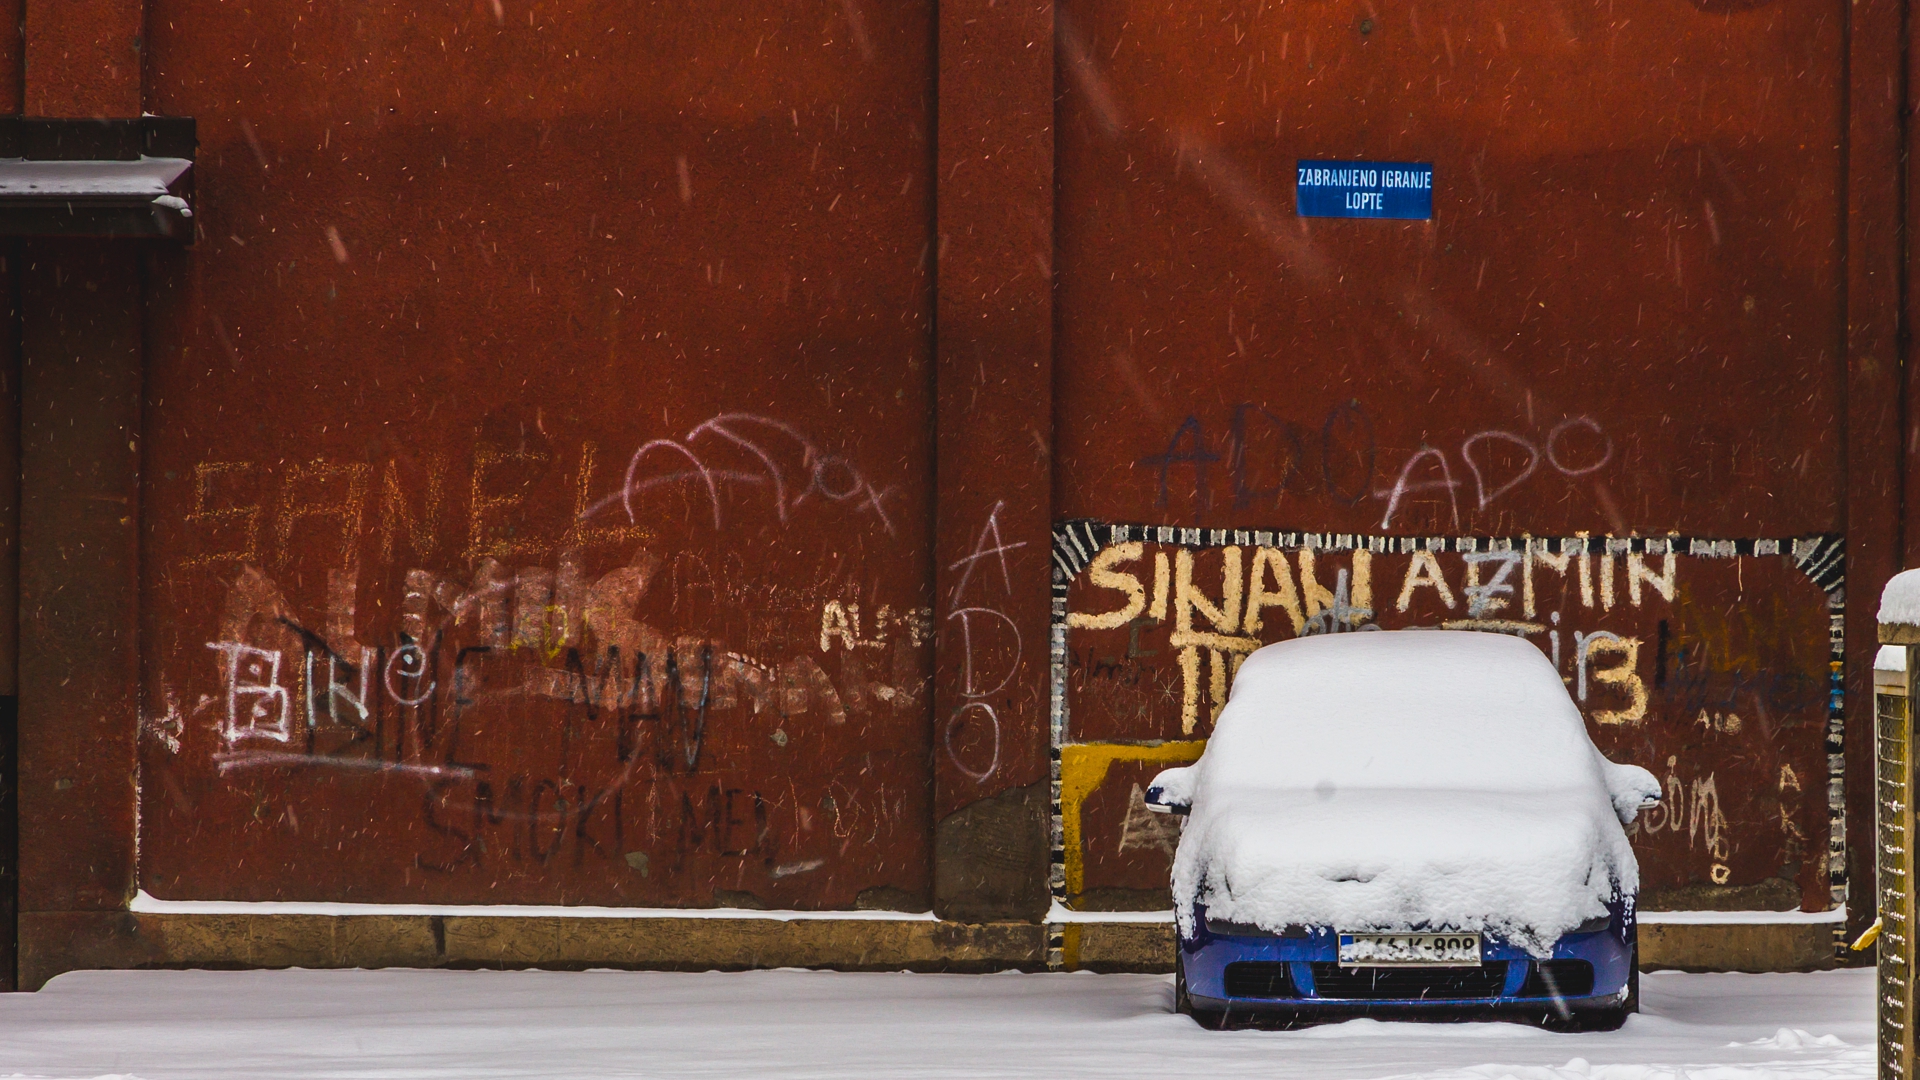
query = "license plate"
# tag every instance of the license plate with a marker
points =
(1409, 950)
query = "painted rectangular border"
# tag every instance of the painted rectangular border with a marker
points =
(1822, 557)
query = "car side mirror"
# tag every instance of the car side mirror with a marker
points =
(1634, 789)
(1171, 792)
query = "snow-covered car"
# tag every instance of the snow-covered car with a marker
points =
(1404, 821)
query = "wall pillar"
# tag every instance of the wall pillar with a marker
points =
(80, 377)
(993, 470)
(1875, 251)
(79, 658)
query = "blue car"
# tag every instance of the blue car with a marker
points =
(1410, 823)
(1227, 972)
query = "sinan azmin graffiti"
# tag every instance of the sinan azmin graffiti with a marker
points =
(1263, 593)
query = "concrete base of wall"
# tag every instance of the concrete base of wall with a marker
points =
(1664, 946)
(53, 942)
(1737, 947)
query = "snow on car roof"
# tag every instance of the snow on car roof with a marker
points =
(1444, 709)
(1402, 780)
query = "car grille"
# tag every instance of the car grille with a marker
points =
(1259, 979)
(1558, 978)
(1330, 980)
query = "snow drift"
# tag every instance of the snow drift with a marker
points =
(1405, 780)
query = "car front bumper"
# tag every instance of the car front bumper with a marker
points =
(1300, 974)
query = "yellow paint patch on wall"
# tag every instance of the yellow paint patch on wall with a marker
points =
(1083, 767)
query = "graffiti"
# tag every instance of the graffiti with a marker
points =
(1307, 592)
(167, 728)
(840, 621)
(1793, 839)
(768, 449)
(1267, 457)
(1727, 723)
(396, 507)
(269, 690)
(1666, 644)
(986, 632)
(536, 820)
(527, 819)
(1142, 828)
(1695, 808)
(1128, 684)
(1427, 471)
(314, 502)
(634, 710)
(989, 544)
(476, 665)
(237, 761)
(990, 722)
(252, 676)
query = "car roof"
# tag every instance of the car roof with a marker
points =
(1403, 709)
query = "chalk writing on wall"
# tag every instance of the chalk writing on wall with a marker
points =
(1258, 459)
(528, 675)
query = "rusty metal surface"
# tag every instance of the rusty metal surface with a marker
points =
(80, 57)
(10, 630)
(1602, 263)
(1623, 321)
(540, 464)
(1876, 252)
(995, 224)
(540, 496)
(9, 842)
(80, 502)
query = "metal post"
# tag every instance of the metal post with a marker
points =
(1893, 822)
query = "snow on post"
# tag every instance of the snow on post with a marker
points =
(1900, 609)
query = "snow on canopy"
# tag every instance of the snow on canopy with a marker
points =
(1900, 600)
(1402, 780)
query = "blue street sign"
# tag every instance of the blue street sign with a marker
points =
(1365, 189)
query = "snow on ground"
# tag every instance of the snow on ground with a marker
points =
(279, 1025)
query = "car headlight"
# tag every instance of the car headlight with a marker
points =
(1593, 925)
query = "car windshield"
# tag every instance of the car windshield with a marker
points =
(1401, 710)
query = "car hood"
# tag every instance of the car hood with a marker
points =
(1524, 865)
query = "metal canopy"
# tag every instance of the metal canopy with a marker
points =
(97, 178)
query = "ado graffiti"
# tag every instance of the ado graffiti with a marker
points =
(1264, 458)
